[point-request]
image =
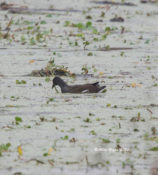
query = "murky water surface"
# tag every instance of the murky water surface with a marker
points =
(105, 133)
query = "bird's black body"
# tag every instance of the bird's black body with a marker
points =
(85, 88)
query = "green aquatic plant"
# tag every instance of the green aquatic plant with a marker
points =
(122, 54)
(82, 26)
(108, 105)
(21, 82)
(102, 14)
(14, 98)
(43, 22)
(154, 148)
(72, 130)
(95, 39)
(84, 69)
(23, 39)
(87, 120)
(106, 140)
(91, 114)
(47, 79)
(86, 43)
(4, 148)
(118, 141)
(93, 132)
(50, 100)
(32, 41)
(49, 15)
(45, 154)
(18, 120)
(98, 119)
(90, 54)
(65, 137)
(67, 23)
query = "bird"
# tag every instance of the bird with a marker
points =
(83, 88)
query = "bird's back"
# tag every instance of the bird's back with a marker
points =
(86, 88)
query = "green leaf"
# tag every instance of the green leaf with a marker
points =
(20, 82)
(45, 154)
(154, 149)
(65, 137)
(18, 119)
(4, 148)
(106, 141)
(93, 132)
(89, 24)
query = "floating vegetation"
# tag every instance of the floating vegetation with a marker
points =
(18, 120)
(137, 119)
(65, 137)
(51, 70)
(87, 26)
(117, 19)
(4, 148)
(106, 140)
(50, 100)
(154, 149)
(20, 82)
(93, 132)
(87, 120)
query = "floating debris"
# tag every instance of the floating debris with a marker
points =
(115, 3)
(117, 19)
(108, 48)
(148, 1)
(51, 70)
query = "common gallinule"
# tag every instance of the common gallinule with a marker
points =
(84, 88)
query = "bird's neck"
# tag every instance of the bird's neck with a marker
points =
(62, 83)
